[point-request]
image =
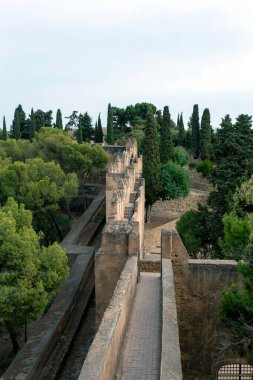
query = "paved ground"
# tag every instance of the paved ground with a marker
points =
(141, 352)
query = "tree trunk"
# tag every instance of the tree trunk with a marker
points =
(55, 225)
(13, 336)
(148, 213)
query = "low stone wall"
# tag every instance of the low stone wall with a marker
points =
(102, 358)
(199, 285)
(32, 358)
(171, 356)
(152, 238)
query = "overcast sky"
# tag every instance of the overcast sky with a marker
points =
(82, 54)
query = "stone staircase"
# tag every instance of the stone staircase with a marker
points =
(129, 206)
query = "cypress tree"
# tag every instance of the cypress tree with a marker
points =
(205, 135)
(4, 130)
(166, 146)
(181, 131)
(195, 131)
(100, 130)
(58, 123)
(16, 126)
(151, 164)
(80, 132)
(109, 131)
(178, 120)
(32, 126)
(96, 133)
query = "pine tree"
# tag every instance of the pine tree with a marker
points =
(205, 135)
(86, 122)
(166, 146)
(195, 131)
(109, 131)
(32, 126)
(151, 164)
(58, 123)
(181, 131)
(16, 126)
(5, 136)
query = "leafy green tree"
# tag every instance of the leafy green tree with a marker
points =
(188, 229)
(175, 181)
(166, 146)
(159, 119)
(83, 159)
(109, 131)
(41, 186)
(151, 164)
(120, 120)
(58, 123)
(5, 136)
(181, 130)
(205, 135)
(194, 122)
(29, 274)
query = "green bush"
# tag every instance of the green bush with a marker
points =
(192, 165)
(188, 229)
(180, 156)
(174, 181)
(205, 167)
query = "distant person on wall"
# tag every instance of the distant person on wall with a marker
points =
(132, 159)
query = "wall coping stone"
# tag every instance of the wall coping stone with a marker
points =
(170, 356)
(99, 363)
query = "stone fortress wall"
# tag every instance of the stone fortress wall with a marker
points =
(123, 234)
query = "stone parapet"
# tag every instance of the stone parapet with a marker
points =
(102, 358)
(170, 356)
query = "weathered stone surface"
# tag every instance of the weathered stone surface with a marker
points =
(171, 356)
(101, 361)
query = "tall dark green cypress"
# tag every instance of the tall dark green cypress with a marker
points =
(181, 131)
(205, 135)
(5, 136)
(87, 129)
(195, 131)
(58, 122)
(151, 164)
(80, 132)
(100, 130)
(16, 127)
(166, 146)
(32, 126)
(178, 120)
(109, 131)
(96, 133)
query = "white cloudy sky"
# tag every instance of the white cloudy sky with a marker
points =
(82, 54)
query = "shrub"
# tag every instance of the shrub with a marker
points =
(180, 156)
(188, 229)
(205, 167)
(174, 181)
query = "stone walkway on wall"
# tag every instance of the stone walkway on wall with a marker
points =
(141, 352)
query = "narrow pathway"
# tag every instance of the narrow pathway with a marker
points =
(141, 351)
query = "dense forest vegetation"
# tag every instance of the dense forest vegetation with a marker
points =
(42, 164)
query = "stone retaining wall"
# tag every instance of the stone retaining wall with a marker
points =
(102, 358)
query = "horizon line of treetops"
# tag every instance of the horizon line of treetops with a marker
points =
(120, 122)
